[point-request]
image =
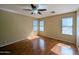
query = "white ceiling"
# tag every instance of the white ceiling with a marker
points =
(58, 8)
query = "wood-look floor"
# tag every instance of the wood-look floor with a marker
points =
(39, 45)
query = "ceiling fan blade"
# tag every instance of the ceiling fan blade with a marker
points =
(27, 9)
(42, 9)
(33, 6)
(39, 13)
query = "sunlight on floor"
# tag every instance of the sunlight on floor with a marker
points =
(62, 49)
(32, 35)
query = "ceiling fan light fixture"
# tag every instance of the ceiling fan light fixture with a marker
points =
(35, 11)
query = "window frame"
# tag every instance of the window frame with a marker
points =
(43, 24)
(37, 25)
(66, 26)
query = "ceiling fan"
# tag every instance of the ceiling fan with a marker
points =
(35, 9)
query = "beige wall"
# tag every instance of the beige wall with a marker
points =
(53, 27)
(14, 27)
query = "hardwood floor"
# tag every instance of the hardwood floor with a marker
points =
(39, 45)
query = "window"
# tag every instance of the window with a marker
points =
(35, 25)
(67, 25)
(42, 25)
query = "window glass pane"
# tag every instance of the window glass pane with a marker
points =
(35, 25)
(67, 30)
(67, 21)
(41, 25)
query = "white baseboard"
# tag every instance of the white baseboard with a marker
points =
(47, 35)
(12, 42)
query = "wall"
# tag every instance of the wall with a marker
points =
(53, 28)
(14, 27)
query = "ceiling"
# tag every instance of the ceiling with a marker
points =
(58, 8)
